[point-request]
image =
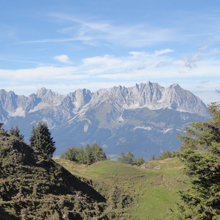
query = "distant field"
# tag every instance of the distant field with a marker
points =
(133, 192)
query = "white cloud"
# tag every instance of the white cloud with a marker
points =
(136, 65)
(203, 48)
(163, 51)
(39, 73)
(63, 59)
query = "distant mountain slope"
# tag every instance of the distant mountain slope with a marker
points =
(139, 118)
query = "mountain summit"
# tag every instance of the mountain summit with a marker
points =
(114, 117)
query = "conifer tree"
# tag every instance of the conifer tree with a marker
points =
(16, 132)
(97, 152)
(128, 159)
(201, 157)
(81, 155)
(33, 136)
(89, 156)
(42, 140)
(1, 124)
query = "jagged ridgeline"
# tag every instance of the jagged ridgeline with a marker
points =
(33, 186)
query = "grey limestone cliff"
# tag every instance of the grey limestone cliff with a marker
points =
(115, 118)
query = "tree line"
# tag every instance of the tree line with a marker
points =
(90, 155)
(130, 159)
(164, 155)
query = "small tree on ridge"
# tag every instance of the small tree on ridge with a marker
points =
(42, 140)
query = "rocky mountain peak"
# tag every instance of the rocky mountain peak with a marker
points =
(144, 95)
(41, 93)
(84, 116)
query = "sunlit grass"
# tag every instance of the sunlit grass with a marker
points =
(153, 191)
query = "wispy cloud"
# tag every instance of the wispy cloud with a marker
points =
(102, 33)
(204, 81)
(203, 48)
(50, 40)
(163, 51)
(192, 62)
(45, 73)
(63, 59)
(160, 64)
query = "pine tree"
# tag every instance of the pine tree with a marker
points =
(42, 140)
(16, 132)
(128, 159)
(1, 124)
(139, 161)
(33, 136)
(201, 157)
(89, 156)
(97, 152)
(81, 157)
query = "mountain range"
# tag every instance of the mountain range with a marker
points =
(143, 119)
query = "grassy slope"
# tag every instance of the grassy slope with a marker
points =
(132, 192)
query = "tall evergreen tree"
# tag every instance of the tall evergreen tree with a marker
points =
(42, 140)
(33, 136)
(89, 156)
(201, 157)
(81, 157)
(97, 152)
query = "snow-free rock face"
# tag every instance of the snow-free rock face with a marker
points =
(102, 115)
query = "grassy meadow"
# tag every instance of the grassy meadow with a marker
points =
(133, 192)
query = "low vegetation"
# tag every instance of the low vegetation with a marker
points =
(130, 191)
(33, 186)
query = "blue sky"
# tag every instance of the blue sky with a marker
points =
(65, 45)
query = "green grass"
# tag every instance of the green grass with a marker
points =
(139, 193)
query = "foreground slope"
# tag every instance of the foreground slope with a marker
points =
(33, 186)
(133, 192)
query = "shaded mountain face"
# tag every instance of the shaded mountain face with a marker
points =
(33, 186)
(143, 119)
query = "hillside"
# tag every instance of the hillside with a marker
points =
(133, 192)
(33, 186)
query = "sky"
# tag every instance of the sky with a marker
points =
(65, 45)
